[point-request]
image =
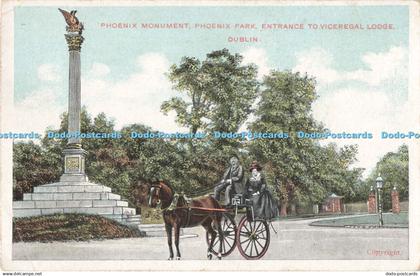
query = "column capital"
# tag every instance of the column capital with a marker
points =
(74, 41)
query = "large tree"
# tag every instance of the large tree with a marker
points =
(303, 171)
(393, 168)
(217, 93)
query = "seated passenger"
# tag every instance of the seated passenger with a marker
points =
(263, 203)
(231, 178)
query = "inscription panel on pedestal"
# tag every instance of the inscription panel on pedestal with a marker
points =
(72, 164)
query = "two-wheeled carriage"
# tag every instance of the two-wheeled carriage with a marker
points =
(251, 235)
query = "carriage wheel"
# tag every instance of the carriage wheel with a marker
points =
(253, 238)
(229, 236)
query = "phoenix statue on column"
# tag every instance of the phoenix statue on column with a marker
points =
(73, 24)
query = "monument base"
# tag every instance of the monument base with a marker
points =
(69, 196)
(77, 178)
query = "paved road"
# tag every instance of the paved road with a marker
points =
(295, 240)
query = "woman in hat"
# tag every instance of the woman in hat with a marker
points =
(263, 203)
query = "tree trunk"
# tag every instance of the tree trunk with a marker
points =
(283, 209)
(293, 208)
(290, 188)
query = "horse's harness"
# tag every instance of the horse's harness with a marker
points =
(155, 191)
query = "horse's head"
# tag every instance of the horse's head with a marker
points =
(154, 195)
(160, 195)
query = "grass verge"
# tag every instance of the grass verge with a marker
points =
(390, 220)
(69, 227)
(151, 216)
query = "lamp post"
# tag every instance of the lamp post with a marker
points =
(379, 185)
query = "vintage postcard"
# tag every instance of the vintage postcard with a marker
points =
(237, 135)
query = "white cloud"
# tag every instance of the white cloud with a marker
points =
(38, 110)
(259, 57)
(388, 66)
(371, 106)
(317, 62)
(99, 70)
(48, 72)
(391, 65)
(137, 98)
(354, 110)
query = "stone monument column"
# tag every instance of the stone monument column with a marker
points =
(74, 155)
(395, 201)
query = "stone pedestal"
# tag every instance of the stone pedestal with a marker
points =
(74, 165)
(372, 209)
(395, 201)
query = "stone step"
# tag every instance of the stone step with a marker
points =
(155, 230)
(105, 203)
(71, 196)
(124, 210)
(133, 218)
(117, 216)
(125, 219)
(135, 221)
(80, 188)
(80, 197)
(68, 203)
(28, 212)
(153, 226)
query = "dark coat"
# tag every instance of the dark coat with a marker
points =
(263, 203)
(237, 176)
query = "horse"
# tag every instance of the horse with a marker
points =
(179, 214)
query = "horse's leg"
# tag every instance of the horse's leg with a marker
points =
(217, 221)
(207, 225)
(177, 229)
(168, 228)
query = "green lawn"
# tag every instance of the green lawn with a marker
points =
(76, 227)
(390, 220)
(151, 216)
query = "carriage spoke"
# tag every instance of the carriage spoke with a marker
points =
(250, 226)
(259, 225)
(229, 244)
(262, 235)
(216, 241)
(244, 240)
(261, 231)
(260, 244)
(251, 243)
(229, 237)
(246, 228)
(223, 246)
(247, 246)
(256, 250)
